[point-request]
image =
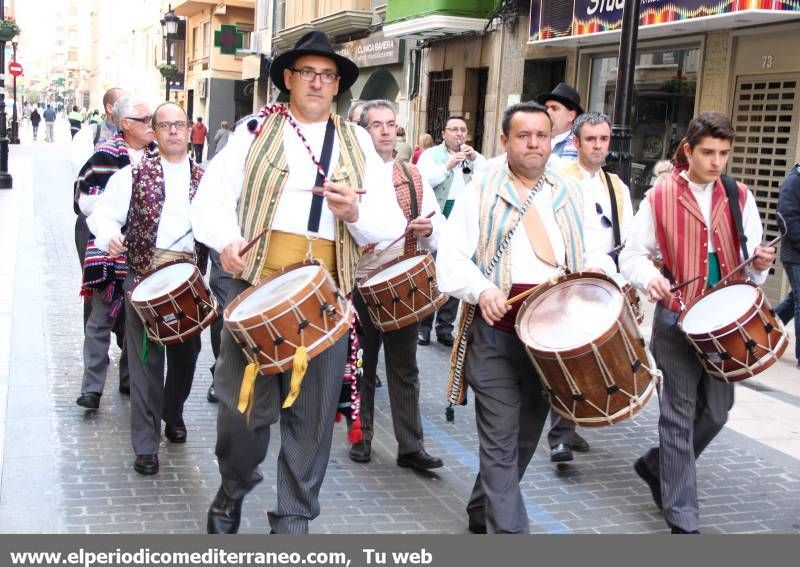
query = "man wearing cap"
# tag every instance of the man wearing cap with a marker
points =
(563, 105)
(264, 179)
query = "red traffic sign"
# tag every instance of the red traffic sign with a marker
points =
(15, 69)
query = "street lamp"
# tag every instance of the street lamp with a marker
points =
(169, 28)
(14, 117)
(6, 182)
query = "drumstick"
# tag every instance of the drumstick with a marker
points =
(769, 244)
(523, 295)
(676, 287)
(405, 233)
(321, 191)
(253, 242)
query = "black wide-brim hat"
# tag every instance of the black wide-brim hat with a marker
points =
(314, 43)
(564, 94)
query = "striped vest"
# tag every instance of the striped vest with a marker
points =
(574, 170)
(265, 175)
(682, 234)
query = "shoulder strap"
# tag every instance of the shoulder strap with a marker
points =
(96, 133)
(732, 191)
(412, 190)
(614, 212)
(324, 161)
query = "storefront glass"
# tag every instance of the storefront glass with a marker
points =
(664, 90)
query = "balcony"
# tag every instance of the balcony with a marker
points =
(188, 8)
(344, 22)
(426, 19)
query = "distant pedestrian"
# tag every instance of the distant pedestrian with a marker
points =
(49, 122)
(36, 118)
(403, 151)
(199, 136)
(220, 138)
(425, 141)
(75, 121)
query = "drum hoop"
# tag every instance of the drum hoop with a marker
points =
(726, 329)
(151, 272)
(601, 339)
(188, 333)
(375, 271)
(179, 290)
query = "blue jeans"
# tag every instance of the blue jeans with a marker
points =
(789, 308)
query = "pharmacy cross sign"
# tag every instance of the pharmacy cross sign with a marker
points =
(228, 39)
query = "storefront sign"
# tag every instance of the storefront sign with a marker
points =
(552, 19)
(372, 52)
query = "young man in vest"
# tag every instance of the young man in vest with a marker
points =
(152, 201)
(128, 147)
(606, 222)
(415, 198)
(510, 409)
(687, 217)
(563, 105)
(264, 180)
(448, 168)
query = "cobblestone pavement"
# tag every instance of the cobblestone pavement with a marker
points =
(70, 471)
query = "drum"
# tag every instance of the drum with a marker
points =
(299, 306)
(631, 295)
(174, 303)
(402, 292)
(734, 331)
(581, 336)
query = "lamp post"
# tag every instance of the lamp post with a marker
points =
(14, 116)
(6, 182)
(169, 28)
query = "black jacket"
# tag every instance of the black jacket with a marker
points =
(789, 207)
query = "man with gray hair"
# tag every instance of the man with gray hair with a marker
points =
(415, 198)
(608, 214)
(103, 275)
(93, 134)
(354, 114)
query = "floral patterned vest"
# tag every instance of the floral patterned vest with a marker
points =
(144, 214)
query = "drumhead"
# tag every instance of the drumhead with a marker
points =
(391, 271)
(273, 292)
(162, 281)
(569, 315)
(719, 308)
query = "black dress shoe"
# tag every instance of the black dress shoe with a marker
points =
(211, 396)
(146, 464)
(560, 453)
(424, 338)
(175, 433)
(361, 452)
(125, 387)
(224, 514)
(89, 400)
(677, 530)
(446, 340)
(652, 480)
(378, 382)
(420, 460)
(579, 444)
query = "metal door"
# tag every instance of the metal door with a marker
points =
(440, 85)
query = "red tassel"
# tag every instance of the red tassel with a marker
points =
(338, 417)
(86, 293)
(355, 435)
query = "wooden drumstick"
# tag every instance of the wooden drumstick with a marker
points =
(679, 286)
(406, 233)
(321, 191)
(750, 260)
(253, 242)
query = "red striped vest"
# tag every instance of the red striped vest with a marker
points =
(682, 234)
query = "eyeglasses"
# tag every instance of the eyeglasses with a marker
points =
(456, 129)
(308, 75)
(179, 125)
(142, 119)
(605, 222)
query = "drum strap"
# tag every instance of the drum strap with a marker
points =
(324, 161)
(732, 192)
(614, 211)
(412, 191)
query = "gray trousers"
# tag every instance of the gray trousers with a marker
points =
(97, 329)
(402, 375)
(220, 282)
(152, 397)
(306, 429)
(444, 318)
(694, 408)
(510, 410)
(562, 430)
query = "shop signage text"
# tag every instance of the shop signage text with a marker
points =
(372, 52)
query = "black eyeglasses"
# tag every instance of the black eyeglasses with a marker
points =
(605, 222)
(309, 75)
(179, 125)
(142, 119)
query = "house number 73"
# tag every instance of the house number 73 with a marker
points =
(767, 61)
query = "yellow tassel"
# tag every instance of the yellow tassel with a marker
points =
(247, 393)
(299, 367)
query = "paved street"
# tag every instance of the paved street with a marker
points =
(67, 470)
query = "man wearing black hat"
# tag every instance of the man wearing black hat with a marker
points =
(294, 172)
(563, 105)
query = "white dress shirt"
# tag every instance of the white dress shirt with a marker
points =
(215, 207)
(111, 211)
(87, 203)
(635, 260)
(595, 193)
(459, 276)
(434, 173)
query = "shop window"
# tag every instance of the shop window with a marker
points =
(664, 91)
